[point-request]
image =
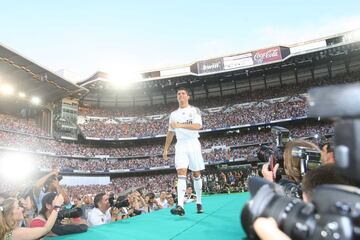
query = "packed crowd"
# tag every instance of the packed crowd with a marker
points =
(40, 145)
(261, 109)
(83, 206)
(21, 125)
(232, 116)
(247, 96)
(215, 181)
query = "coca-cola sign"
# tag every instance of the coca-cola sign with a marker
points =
(267, 55)
(209, 66)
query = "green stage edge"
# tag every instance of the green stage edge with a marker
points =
(221, 220)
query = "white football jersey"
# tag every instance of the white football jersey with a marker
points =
(189, 115)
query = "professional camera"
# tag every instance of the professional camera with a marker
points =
(69, 213)
(334, 212)
(307, 156)
(120, 202)
(327, 217)
(275, 155)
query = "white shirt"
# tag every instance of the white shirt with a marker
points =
(164, 203)
(97, 217)
(188, 115)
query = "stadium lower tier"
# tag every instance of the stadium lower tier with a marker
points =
(219, 221)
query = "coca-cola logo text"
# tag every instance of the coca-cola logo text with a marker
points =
(267, 55)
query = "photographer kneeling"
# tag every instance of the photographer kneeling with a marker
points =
(61, 226)
(293, 167)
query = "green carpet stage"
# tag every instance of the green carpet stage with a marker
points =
(221, 220)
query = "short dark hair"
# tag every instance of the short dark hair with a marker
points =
(47, 199)
(98, 198)
(183, 89)
(151, 195)
(325, 174)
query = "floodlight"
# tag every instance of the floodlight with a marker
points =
(7, 89)
(35, 100)
(16, 166)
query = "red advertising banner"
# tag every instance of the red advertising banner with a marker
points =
(267, 55)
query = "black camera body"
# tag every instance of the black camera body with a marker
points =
(120, 202)
(274, 155)
(69, 213)
(335, 209)
(329, 218)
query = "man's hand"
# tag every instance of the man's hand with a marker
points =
(267, 174)
(165, 154)
(267, 229)
(115, 211)
(175, 125)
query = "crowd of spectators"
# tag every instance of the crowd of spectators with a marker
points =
(227, 100)
(215, 181)
(261, 109)
(243, 137)
(38, 144)
(21, 125)
(264, 111)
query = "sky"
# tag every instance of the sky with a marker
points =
(122, 37)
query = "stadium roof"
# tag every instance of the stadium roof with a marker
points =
(34, 80)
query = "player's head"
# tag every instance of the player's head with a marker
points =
(182, 95)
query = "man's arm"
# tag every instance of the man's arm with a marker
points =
(190, 126)
(169, 137)
(40, 182)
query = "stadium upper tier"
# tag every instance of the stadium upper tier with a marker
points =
(217, 101)
(276, 103)
(227, 75)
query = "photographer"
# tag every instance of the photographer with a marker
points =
(327, 152)
(152, 204)
(292, 167)
(27, 202)
(137, 204)
(63, 225)
(325, 174)
(47, 183)
(333, 212)
(267, 228)
(11, 215)
(101, 213)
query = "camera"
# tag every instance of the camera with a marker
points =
(120, 202)
(69, 213)
(308, 157)
(334, 212)
(324, 218)
(273, 156)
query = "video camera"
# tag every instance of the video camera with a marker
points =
(275, 155)
(120, 202)
(69, 213)
(334, 212)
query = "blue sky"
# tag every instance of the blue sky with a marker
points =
(83, 36)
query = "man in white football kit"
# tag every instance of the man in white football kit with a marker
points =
(185, 123)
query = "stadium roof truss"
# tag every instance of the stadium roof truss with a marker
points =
(27, 76)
